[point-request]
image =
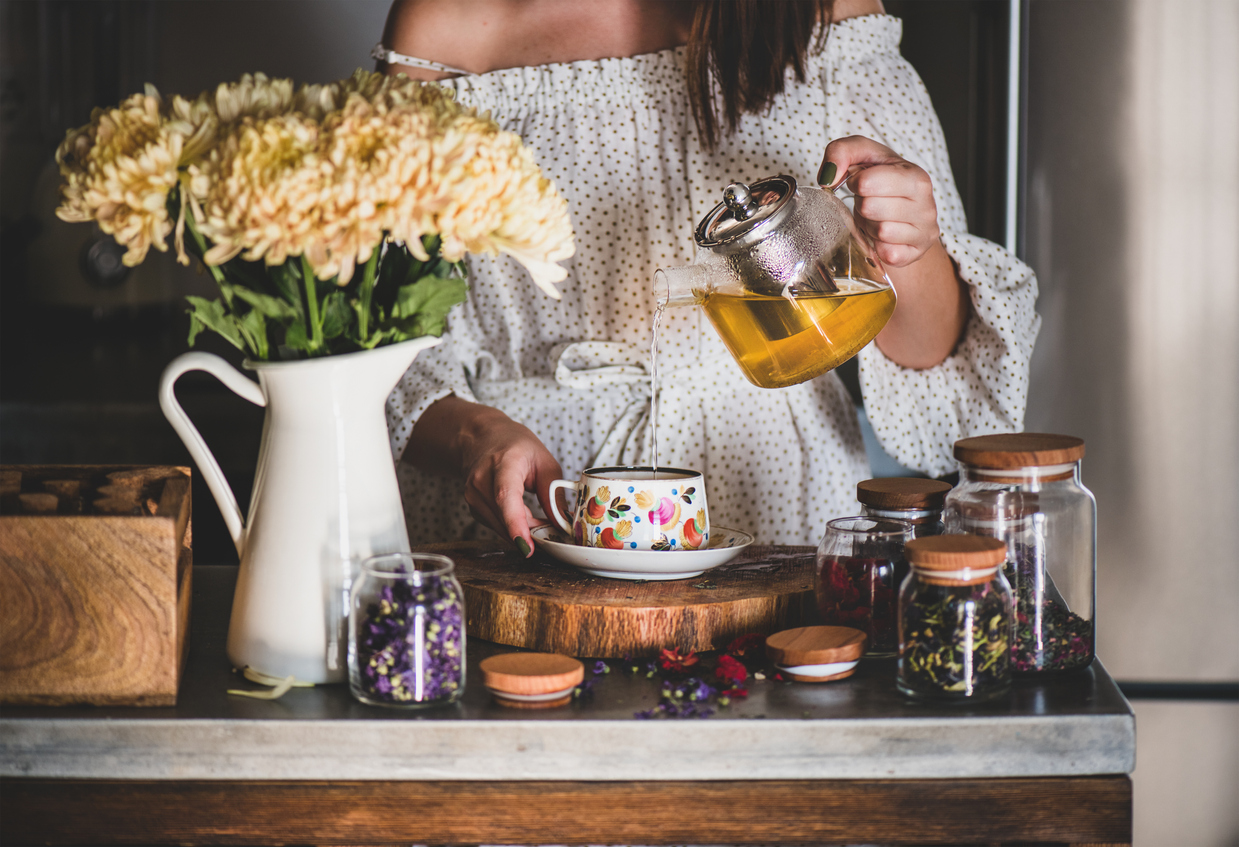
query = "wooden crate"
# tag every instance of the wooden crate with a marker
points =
(95, 580)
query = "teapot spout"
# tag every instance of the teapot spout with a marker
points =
(680, 286)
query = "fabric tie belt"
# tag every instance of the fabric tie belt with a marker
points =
(614, 378)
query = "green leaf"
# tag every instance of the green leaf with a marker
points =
(211, 314)
(431, 298)
(442, 267)
(286, 279)
(295, 337)
(253, 327)
(271, 307)
(336, 314)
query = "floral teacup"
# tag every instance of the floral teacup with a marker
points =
(636, 509)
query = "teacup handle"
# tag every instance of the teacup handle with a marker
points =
(564, 523)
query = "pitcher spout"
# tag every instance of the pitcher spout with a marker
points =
(681, 286)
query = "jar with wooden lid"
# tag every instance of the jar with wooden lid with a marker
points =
(860, 567)
(955, 620)
(1025, 489)
(917, 500)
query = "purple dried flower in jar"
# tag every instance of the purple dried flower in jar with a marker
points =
(407, 631)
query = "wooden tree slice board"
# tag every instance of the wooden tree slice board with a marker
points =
(541, 604)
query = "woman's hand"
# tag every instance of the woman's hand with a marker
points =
(895, 207)
(500, 459)
(894, 198)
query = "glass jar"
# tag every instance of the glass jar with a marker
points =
(914, 499)
(955, 620)
(407, 631)
(860, 566)
(1024, 488)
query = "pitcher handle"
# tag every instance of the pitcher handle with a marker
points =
(563, 522)
(202, 456)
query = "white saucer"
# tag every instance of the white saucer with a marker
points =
(724, 545)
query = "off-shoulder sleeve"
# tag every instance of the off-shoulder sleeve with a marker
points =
(982, 387)
(434, 374)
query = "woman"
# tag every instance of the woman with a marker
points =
(641, 134)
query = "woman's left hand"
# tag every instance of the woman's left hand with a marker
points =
(895, 207)
(894, 198)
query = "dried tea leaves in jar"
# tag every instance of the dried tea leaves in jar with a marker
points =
(955, 620)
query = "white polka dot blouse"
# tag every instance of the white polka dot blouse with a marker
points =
(617, 138)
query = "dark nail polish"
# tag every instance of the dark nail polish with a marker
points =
(522, 545)
(827, 174)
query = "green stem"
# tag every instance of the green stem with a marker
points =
(192, 225)
(311, 297)
(367, 291)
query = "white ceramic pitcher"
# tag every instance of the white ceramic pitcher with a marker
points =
(325, 497)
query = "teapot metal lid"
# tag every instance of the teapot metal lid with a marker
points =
(747, 213)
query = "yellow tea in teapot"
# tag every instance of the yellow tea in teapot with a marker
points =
(781, 341)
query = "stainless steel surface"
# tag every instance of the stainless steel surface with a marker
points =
(1132, 224)
(855, 728)
(1015, 57)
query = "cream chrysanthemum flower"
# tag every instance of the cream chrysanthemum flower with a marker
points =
(505, 205)
(118, 171)
(253, 96)
(258, 192)
(198, 121)
(327, 172)
(482, 191)
(373, 160)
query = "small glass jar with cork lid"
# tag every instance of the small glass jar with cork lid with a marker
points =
(955, 620)
(917, 500)
(1024, 488)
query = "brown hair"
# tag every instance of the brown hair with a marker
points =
(745, 47)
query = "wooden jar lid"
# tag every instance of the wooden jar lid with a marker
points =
(955, 559)
(1008, 451)
(531, 675)
(816, 645)
(902, 493)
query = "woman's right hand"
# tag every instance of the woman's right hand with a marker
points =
(500, 459)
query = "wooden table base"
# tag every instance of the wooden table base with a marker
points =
(1079, 811)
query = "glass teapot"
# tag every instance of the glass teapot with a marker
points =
(791, 285)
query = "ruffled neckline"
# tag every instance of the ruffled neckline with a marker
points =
(851, 38)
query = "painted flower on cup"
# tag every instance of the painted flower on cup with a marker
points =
(694, 530)
(613, 536)
(664, 512)
(595, 509)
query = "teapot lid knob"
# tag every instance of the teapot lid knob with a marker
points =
(740, 200)
(747, 214)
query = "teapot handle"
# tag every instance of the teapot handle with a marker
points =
(843, 191)
(202, 456)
